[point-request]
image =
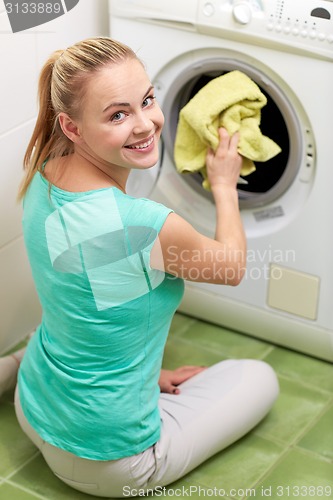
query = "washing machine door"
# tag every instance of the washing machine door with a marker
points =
(279, 121)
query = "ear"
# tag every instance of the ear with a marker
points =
(69, 128)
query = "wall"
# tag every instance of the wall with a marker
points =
(22, 56)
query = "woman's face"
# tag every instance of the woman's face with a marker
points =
(121, 122)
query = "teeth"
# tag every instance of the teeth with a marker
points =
(142, 146)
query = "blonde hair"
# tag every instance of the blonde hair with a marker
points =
(61, 89)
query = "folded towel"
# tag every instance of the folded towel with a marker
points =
(232, 101)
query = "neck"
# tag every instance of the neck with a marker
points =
(101, 171)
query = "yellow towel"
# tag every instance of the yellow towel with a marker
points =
(232, 101)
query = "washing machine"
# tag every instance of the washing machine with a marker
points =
(286, 48)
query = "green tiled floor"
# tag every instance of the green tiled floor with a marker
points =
(288, 455)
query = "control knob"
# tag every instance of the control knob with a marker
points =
(242, 12)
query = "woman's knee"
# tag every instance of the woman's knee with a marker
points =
(264, 380)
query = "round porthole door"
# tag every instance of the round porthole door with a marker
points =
(279, 121)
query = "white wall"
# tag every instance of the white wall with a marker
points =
(21, 57)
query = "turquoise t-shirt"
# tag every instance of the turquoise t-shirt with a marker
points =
(89, 380)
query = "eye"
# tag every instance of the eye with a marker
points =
(148, 101)
(118, 117)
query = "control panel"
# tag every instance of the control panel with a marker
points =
(303, 26)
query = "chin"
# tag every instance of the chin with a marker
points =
(149, 163)
(145, 167)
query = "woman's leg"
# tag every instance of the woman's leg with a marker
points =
(110, 478)
(9, 366)
(214, 409)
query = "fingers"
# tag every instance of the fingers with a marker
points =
(180, 375)
(224, 165)
(226, 141)
(170, 380)
(171, 389)
(234, 140)
(223, 136)
(227, 144)
(222, 147)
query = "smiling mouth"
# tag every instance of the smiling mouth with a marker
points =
(142, 145)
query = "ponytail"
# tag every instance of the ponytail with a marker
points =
(43, 139)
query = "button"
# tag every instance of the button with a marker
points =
(242, 13)
(313, 34)
(208, 9)
(278, 28)
(304, 33)
(270, 26)
(330, 39)
(321, 36)
(295, 31)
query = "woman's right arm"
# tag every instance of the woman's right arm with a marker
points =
(186, 253)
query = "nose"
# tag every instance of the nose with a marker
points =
(143, 123)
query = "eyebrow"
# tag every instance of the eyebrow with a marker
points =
(120, 104)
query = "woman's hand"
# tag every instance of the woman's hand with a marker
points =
(223, 166)
(170, 379)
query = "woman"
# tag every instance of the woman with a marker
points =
(109, 273)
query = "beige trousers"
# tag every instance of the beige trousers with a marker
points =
(213, 410)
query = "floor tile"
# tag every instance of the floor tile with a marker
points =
(15, 447)
(299, 475)
(180, 323)
(225, 342)
(18, 346)
(296, 408)
(319, 439)
(310, 371)
(238, 467)
(7, 397)
(178, 353)
(9, 492)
